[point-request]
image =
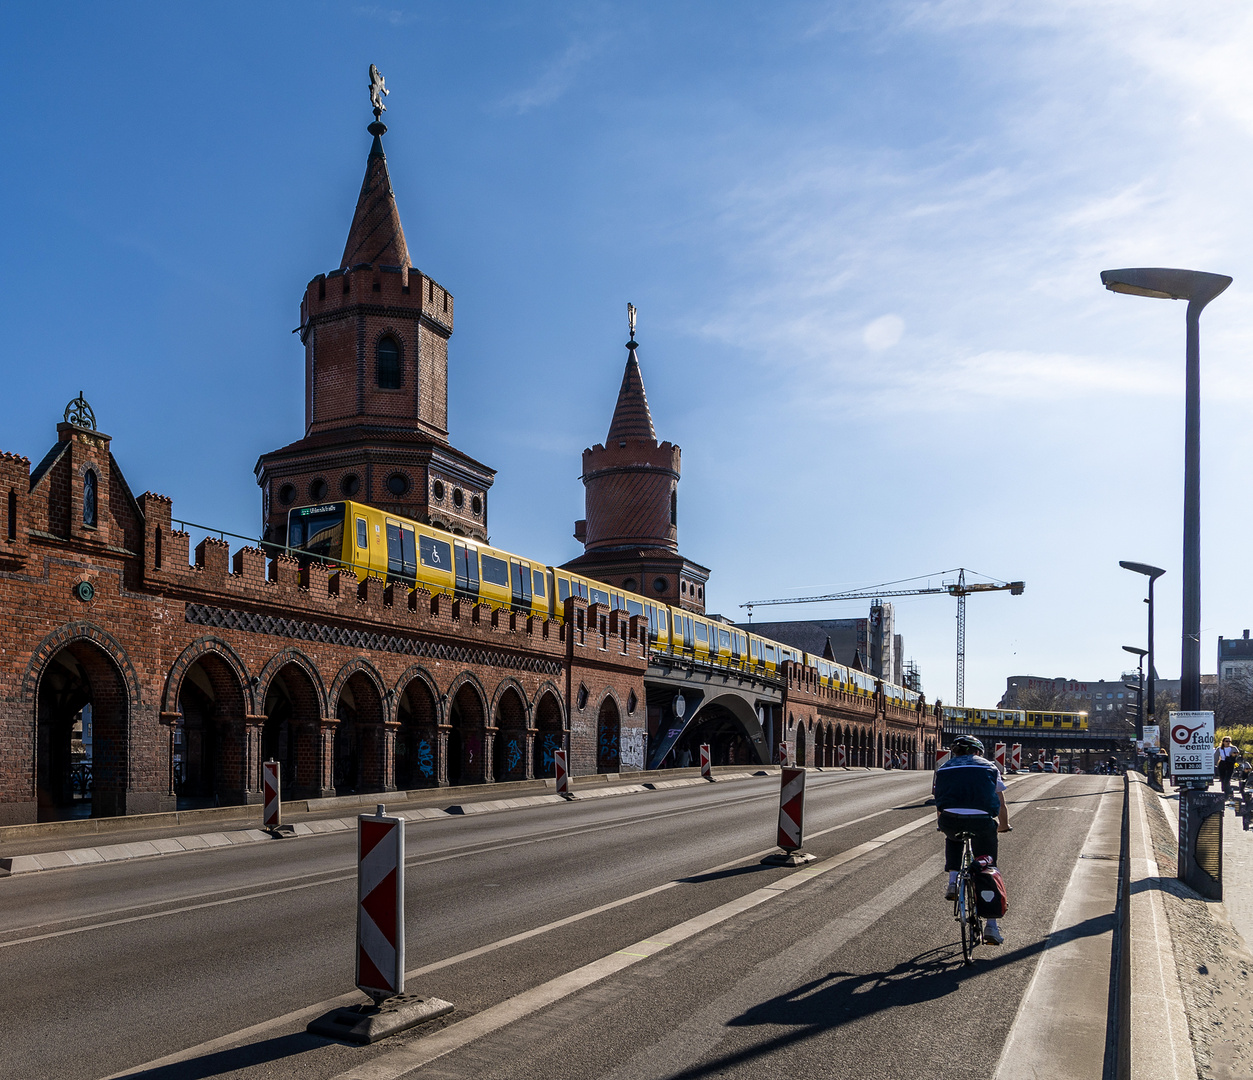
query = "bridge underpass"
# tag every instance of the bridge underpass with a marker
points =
(690, 703)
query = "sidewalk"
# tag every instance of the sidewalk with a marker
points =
(1211, 944)
(57, 845)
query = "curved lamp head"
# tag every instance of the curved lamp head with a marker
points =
(1137, 652)
(1152, 572)
(1195, 286)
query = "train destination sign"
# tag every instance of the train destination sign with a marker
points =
(1192, 745)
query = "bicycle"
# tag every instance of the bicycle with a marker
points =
(966, 902)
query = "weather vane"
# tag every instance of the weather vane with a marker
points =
(631, 321)
(377, 92)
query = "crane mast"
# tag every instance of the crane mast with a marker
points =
(959, 589)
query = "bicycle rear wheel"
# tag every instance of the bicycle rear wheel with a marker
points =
(972, 925)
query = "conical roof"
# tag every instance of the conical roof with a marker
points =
(631, 418)
(376, 235)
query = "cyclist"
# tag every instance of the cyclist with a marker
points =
(969, 797)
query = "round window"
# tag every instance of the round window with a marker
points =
(476, 506)
(287, 494)
(629, 584)
(660, 584)
(437, 490)
(350, 484)
(317, 490)
(397, 483)
(458, 500)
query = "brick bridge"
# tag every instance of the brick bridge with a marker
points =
(174, 673)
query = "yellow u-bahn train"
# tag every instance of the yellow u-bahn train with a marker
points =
(373, 543)
(1017, 718)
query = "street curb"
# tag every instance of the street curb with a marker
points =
(1161, 1045)
(59, 860)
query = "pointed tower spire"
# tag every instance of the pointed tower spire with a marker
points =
(631, 418)
(376, 235)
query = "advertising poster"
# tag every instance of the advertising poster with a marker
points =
(1192, 745)
(1152, 736)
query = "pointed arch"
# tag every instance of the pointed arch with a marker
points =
(297, 658)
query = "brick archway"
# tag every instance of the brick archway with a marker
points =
(468, 758)
(608, 734)
(418, 757)
(204, 646)
(550, 727)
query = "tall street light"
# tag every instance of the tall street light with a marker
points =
(1198, 289)
(1152, 573)
(1139, 689)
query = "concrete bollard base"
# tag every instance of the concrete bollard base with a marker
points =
(789, 858)
(367, 1022)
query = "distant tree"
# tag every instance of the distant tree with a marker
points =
(1231, 701)
(1044, 697)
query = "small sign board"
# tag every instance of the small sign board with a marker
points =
(1192, 745)
(1152, 735)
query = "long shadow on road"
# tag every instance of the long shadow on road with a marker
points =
(282, 1048)
(840, 997)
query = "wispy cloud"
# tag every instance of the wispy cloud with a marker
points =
(390, 15)
(556, 77)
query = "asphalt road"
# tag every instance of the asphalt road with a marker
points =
(722, 967)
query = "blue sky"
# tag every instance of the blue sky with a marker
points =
(864, 240)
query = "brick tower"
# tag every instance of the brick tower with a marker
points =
(376, 333)
(630, 535)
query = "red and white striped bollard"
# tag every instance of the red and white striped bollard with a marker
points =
(706, 763)
(271, 812)
(841, 756)
(791, 832)
(941, 756)
(380, 905)
(1015, 758)
(562, 778)
(998, 757)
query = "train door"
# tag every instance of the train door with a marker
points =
(402, 560)
(539, 598)
(466, 563)
(520, 578)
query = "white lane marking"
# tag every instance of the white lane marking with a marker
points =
(243, 1036)
(1053, 1012)
(349, 872)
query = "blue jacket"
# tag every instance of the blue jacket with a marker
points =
(967, 783)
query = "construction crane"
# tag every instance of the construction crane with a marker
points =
(959, 588)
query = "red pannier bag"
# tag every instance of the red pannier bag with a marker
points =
(993, 900)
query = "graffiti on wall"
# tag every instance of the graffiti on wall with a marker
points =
(550, 741)
(632, 748)
(426, 759)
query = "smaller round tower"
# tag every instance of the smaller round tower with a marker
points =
(631, 535)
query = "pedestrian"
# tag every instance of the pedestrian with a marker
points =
(1225, 758)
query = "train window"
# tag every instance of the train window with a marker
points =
(319, 533)
(752, 648)
(702, 631)
(769, 651)
(539, 583)
(495, 571)
(436, 553)
(634, 607)
(661, 619)
(599, 596)
(521, 584)
(363, 533)
(581, 588)
(724, 639)
(563, 589)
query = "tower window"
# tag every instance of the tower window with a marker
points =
(674, 506)
(437, 489)
(398, 483)
(287, 494)
(388, 364)
(13, 521)
(476, 506)
(317, 490)
(458, 499)
(350, 484)
(89, 498)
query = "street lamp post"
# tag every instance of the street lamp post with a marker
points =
(1141, 653)
(1198, 289)
(1152, 573)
